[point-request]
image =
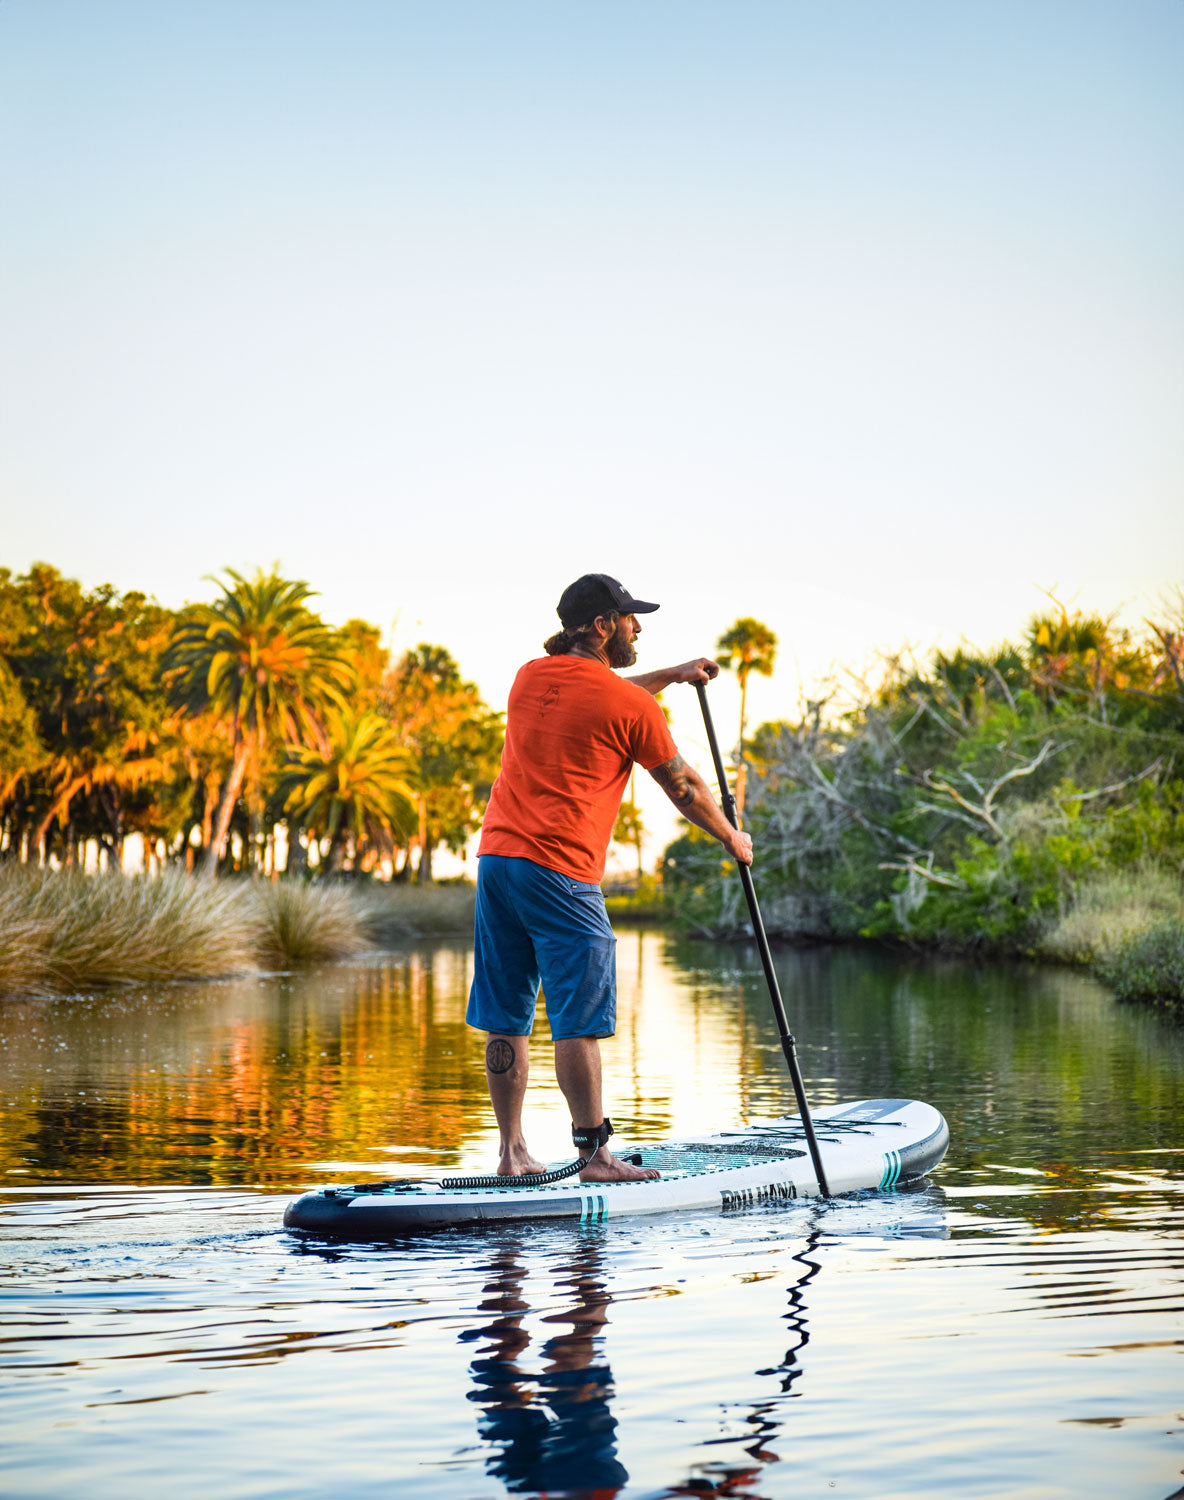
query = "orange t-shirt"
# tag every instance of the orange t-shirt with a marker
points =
(573, 732)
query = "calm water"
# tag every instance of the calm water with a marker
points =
(1012, 1329)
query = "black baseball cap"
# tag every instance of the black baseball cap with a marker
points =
(597, 594)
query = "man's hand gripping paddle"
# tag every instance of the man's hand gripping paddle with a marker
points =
(788, 1045)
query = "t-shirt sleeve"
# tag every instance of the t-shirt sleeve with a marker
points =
(653, 744)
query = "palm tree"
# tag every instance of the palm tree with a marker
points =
(22, 751)
(359, 782)
(1083, 656)
(455, 742)
(129, 766)
(748, 647)
(265, 665)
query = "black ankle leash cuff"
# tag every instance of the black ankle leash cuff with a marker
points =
(589, 1138)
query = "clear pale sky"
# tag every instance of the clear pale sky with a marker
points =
(865, 319)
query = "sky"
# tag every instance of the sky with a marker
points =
(863, 319)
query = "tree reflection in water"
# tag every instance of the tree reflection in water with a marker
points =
(554, 1431)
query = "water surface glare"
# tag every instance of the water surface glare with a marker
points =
(1013, 1328)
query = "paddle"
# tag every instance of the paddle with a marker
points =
(788, 1045)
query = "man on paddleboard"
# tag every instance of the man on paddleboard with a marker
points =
(574, 730)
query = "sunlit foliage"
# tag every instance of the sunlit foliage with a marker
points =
(358, 782)
(266, 667)
(455, 745)
(229, 731)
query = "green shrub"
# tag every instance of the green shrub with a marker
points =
(643, 903)
(1148, 965)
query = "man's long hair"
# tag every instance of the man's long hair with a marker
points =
(562, 642)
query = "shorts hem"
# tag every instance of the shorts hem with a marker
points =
(481, 1023)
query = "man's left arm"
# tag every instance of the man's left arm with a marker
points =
(701, 669)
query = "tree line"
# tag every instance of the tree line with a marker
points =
(241, 733)
(971, 800)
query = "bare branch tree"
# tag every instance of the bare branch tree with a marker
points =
(1117, 786)
(985, 811)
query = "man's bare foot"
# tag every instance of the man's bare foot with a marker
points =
(519, 1163)
(605, 1167)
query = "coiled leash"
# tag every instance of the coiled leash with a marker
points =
(586, 1139)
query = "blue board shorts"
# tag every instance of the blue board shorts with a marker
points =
(535, 924)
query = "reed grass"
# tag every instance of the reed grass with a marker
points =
(638, 904)
(297, 924)
(392, 913)
(62, 932)
(1110, 910)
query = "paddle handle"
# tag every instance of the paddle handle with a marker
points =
(788, 1045)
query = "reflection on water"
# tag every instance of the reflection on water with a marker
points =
(287, 1081)
(552, 1429)
(244, 1081)
(547, 1413)
(1014, 1328)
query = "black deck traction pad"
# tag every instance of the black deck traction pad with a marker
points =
(830, 1129)
(752, 1148)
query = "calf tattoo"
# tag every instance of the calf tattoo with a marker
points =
(499, 1055)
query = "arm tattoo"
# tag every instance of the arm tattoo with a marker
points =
(499, 1055)
(675, 779)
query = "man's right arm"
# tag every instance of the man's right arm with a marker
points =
(691, 795)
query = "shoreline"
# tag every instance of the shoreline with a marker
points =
(1139, 958)
(66, 933)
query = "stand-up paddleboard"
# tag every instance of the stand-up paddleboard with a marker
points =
(872, 1144)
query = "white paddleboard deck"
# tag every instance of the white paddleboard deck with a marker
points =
(876, 1144)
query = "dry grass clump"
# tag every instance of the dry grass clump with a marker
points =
(393, 913)
(61, 931)
(1112, 909)
(24, 933)
(298, 924)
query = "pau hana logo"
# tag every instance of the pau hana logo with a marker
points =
(774, 1192)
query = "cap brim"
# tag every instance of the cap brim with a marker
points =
(640, 607)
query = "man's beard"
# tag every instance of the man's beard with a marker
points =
(619, 650)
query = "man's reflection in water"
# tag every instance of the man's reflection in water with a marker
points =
(553, 1430)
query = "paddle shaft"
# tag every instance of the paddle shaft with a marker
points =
(788, 1045)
